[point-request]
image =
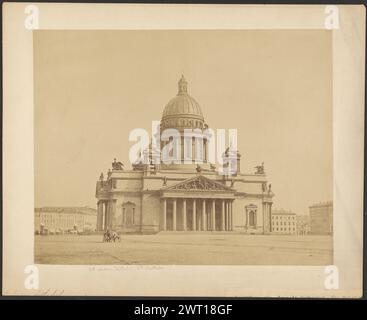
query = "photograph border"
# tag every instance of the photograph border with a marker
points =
(18, 175)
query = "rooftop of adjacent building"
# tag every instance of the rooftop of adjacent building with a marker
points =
(69, 210)
(303, 217)
(282, 212)
(322, 204)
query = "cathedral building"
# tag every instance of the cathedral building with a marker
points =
(157, 197)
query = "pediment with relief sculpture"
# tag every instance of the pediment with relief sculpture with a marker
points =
(199, 183)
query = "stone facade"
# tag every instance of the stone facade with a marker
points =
(152, 198)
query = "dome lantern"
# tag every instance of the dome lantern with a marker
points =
(182, 86)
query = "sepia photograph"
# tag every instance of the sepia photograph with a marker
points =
(270, 92)
(183, 150)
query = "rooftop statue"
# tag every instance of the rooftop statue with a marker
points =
(117, 165)
(264, 187)
(260, 169)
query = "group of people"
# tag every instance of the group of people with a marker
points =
(111, 236)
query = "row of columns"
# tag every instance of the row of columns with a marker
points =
(106, 214)
(206, 220)
(190, 150)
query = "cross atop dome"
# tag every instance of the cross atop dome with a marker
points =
(182, 86)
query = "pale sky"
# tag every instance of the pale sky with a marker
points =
(93, 87)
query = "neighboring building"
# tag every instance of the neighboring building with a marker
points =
(180, 196)
(63, 219)
(283, 222)
(321, 218)
(303, 224)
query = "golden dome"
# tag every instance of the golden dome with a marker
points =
(183, 104)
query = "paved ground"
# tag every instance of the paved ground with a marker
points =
(194, 249)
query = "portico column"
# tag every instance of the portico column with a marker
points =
(205, 152)
(111, 214)
(270, 227)
(106, 218)
(223, 216)
(266, 220)
(103, 216)
(227, 215)
(164, 220)
(184, 214)
(174, 214)
(231, 216)
(213, 215)
(198, 215)
(203, 215)
(100, 216)
(194, 215)
(193, 150)
(182, 149)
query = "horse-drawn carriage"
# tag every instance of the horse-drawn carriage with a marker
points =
(111, 236)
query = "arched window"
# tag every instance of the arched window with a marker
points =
(128, 213)
(252, 219)
(251, 215)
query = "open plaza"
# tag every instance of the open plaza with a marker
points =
(186, 248)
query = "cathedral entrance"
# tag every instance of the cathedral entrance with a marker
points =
(197, 204)
(182, 214)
